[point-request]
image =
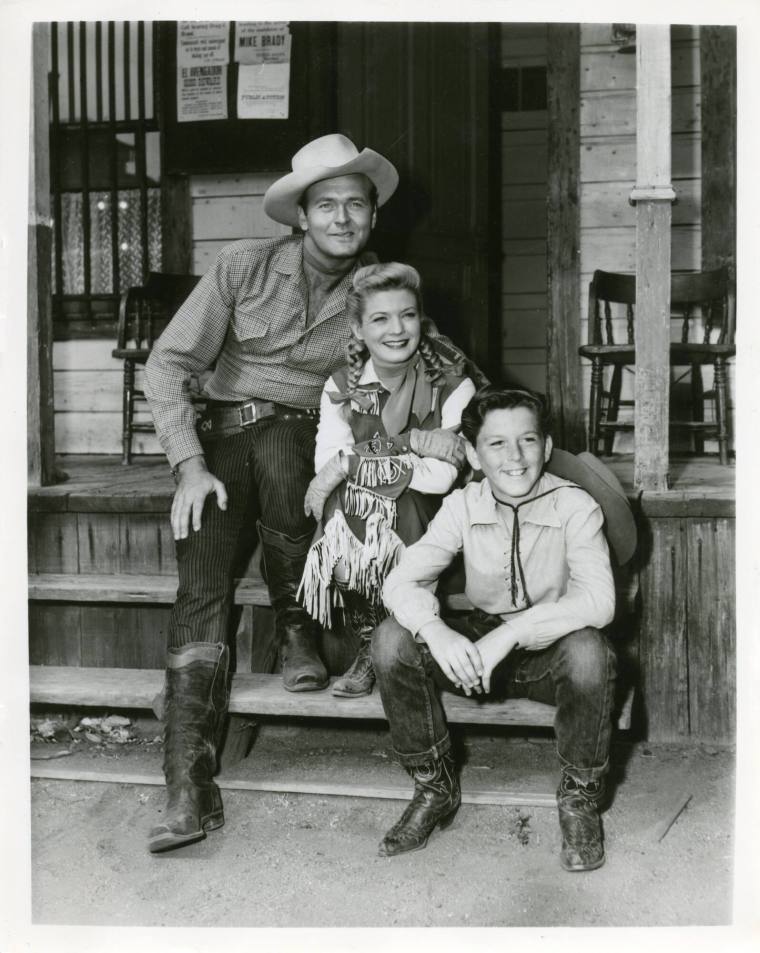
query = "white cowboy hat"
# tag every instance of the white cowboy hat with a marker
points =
(325, 158)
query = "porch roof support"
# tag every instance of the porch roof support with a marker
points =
(40, 419)
(653, 196)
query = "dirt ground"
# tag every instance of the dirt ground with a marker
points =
(286, 860)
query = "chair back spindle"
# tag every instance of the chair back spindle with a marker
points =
(707, 297)
(144, 312)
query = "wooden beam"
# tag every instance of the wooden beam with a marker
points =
(40, 416)
(717, 49)
(653, 194)
(563, 375)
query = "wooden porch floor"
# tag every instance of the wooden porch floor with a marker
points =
(700, 486)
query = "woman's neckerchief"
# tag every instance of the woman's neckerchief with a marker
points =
(416, 395)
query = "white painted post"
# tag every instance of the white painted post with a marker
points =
(653, 196)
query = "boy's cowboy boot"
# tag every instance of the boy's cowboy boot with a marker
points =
(297, 633)
(435, 802)
(195, 706)
(361, 618)
(579, 821)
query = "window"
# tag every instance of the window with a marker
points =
(523, 88)
(105, 170)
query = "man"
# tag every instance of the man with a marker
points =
(269, 316)
(538, 574)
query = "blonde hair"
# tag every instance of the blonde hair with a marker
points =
(390, 276)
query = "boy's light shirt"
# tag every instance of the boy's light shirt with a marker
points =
(334, 434)
(564, 555)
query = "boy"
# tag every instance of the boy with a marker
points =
(538, 574)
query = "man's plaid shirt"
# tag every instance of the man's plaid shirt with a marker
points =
(248, 314)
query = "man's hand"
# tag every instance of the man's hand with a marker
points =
(194, 483)
(442, 444)
(457, 657)
(331, 475)
(493, 648)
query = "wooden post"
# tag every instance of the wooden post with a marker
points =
(176, 225)
(563, 377)
(717, 57)
(40, 416)
(653, 196)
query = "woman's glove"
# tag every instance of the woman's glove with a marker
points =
(331, 475)
(442, 444)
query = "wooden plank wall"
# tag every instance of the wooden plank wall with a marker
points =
(226, 208)
(687, 632)
(88, 381)
(608, 172)
(104, 634)
(524, 187)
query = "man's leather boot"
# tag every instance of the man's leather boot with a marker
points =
(361, 618)
(196, 694)
(579, 821)
(297, 633)
(435, 802)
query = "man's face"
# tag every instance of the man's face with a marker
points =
(338, 217)
(511, 451)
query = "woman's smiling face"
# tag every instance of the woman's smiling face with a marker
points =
(511, 451)
(390, 327)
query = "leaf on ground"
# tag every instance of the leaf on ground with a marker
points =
(46, 728)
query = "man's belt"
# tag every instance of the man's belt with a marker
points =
(220, 418)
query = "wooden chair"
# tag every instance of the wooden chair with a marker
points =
(708, 296)
(144, 312)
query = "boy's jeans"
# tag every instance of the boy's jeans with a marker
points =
(576, 673)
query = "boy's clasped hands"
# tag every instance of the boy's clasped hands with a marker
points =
(469, 665)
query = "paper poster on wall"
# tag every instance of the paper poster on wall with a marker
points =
(201, 42)
(202, 58)
(201, 93)
(262, 41)
(263, 51)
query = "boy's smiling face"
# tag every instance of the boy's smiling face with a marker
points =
(511, 451)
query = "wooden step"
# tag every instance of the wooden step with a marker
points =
(106, 773)
(254, 694)
(146, 589)
(132, 589)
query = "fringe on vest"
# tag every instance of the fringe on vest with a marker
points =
(368, 563)
(363, 502)
(382, 471)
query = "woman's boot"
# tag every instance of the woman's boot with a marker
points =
(196, 696)
(435, 802)
(361, 618)
(297, 633)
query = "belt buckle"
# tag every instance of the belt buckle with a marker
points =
(247, 414)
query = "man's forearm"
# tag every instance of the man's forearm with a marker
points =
(173, 413)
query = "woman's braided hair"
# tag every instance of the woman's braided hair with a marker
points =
(389, 276)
